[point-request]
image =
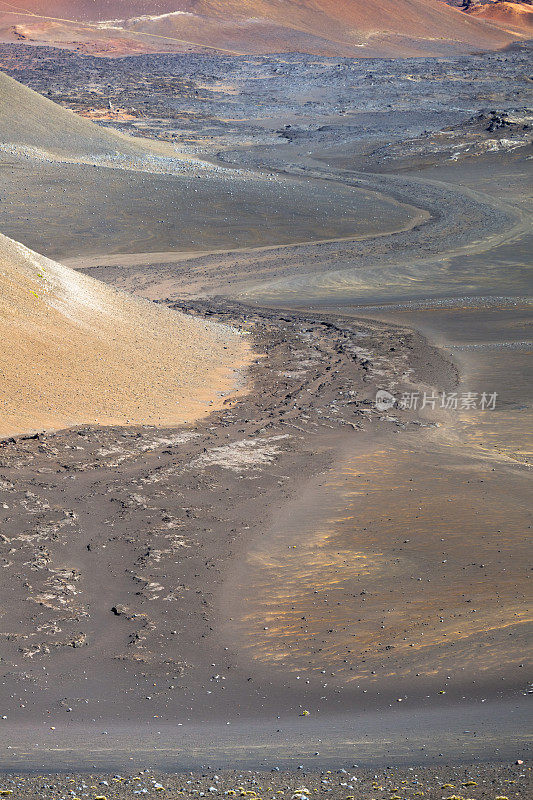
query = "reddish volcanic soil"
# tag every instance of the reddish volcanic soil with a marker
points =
(326, 27)
(508, 15)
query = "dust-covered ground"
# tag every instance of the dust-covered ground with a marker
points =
(300, 580)
(115, 541)
(141, 633)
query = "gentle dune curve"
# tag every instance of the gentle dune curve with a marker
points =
(325, 27)
(75, 351)
(513, 16)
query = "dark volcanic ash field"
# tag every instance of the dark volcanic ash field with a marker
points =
(300, 579)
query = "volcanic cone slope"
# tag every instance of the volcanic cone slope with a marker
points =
(327, 27)
(77, 351)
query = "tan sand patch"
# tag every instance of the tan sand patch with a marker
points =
(75, 351)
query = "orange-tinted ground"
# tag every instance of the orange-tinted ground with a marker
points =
(511, 16)
(325, 27)
(75, 351)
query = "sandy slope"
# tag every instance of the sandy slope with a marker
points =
(94, 190)
(76, 351)
(28, 119)
(507, 15)
(330, 27)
